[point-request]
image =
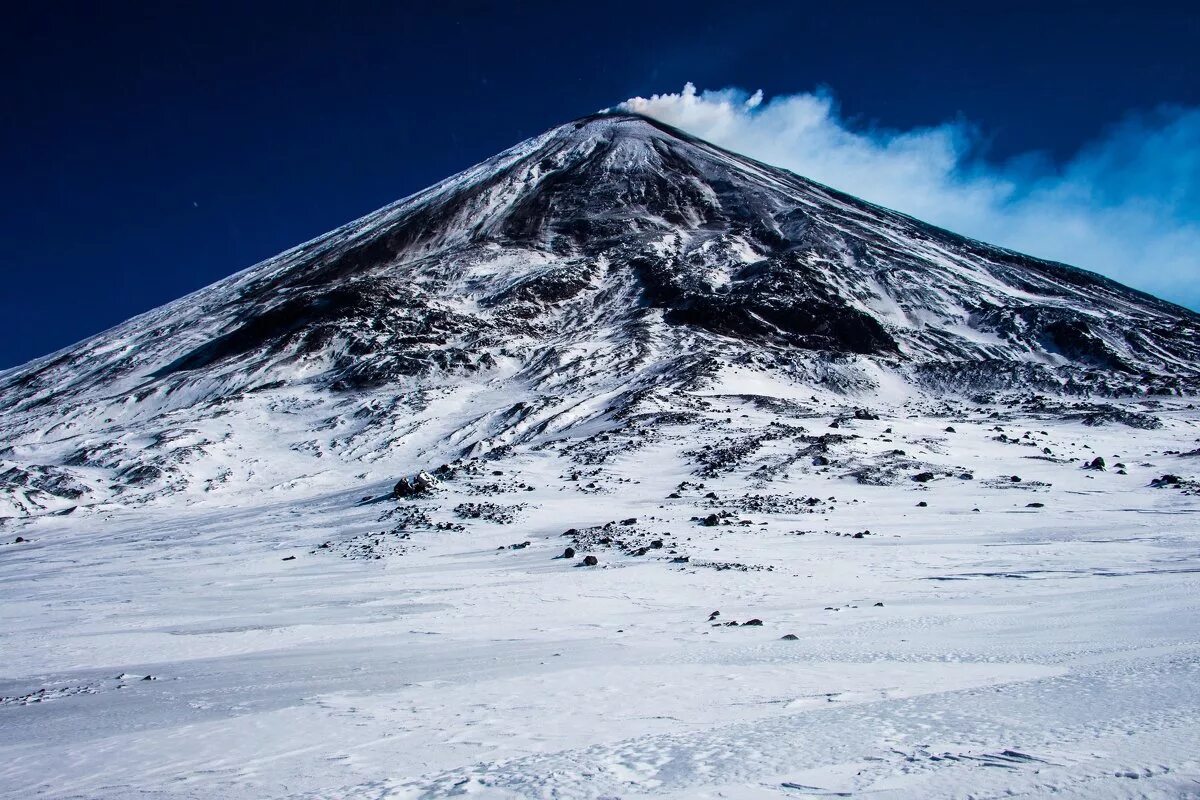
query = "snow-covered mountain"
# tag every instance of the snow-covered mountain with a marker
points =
(616, 466)
(583, 276)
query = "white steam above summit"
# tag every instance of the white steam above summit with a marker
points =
(1127, 204)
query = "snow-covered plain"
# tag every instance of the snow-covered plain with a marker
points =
(1018, 651)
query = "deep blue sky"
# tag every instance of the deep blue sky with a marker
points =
(149, 151)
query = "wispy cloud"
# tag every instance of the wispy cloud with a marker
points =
(1127, 204)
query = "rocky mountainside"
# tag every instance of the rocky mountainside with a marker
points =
(589, 276)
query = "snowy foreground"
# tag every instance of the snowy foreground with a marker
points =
(178, 650)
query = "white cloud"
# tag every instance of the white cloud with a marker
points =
(1126, 204)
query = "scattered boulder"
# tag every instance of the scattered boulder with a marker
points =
(1096, 463)
(922, 504)
(289, 558)
(568, 553)
(590, 561)
(1035, 505)
(418, 484)
(789, 637)
(753, 622)
(923, 477)
(140, 475)
(878, 605)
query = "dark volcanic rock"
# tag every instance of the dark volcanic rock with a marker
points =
(419, 484)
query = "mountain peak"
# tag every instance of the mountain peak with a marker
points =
(623, 123)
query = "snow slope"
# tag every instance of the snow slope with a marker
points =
(1033, 650)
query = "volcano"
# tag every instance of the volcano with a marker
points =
(618, 465)
(584, 275)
